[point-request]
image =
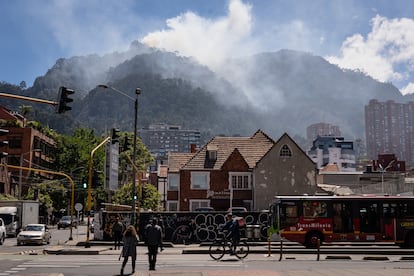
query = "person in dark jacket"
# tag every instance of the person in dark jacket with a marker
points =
(154, 240)
(231, 228)
(130, 241)
(117, 229)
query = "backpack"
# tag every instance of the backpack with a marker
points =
(240, 222)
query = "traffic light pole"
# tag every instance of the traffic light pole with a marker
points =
(27, 98)
(88, 207)
(55, 173)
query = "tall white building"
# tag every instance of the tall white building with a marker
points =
(332, 150)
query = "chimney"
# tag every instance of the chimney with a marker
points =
(193, 148)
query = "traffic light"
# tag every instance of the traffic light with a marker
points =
(85, 182)
(114, 135)
(95, 179)
(63, 99)
(126, 144)
(3, 143)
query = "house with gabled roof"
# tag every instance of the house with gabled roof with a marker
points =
(224, 172)
(284, 170)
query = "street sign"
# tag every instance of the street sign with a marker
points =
(111, 168)
(78, 206)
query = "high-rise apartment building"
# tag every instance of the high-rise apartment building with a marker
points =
(389, 128)
(162, 138)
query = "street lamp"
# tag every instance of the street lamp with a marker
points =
(137, 92)
(383, 170)
(21, 171)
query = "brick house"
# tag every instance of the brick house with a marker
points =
(28, 147)
(252, 165)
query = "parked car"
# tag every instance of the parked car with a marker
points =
(237, 210)
(2, 231)
(65, 222)
(34, 233)
(204, 209)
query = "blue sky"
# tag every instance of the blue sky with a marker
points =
(376, 37)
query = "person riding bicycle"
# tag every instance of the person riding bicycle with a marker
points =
(231, 228)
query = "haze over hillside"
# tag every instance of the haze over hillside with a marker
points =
(279, 92)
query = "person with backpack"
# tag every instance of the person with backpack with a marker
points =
(233, 231)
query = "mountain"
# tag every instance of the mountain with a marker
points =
(279, 92)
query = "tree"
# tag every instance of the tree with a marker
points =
(150, 199)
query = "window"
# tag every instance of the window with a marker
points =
(285, 151)
(173, 181)
(240, 181)
(312, 209)
(197, 203)
(172, 205)
(200, 180)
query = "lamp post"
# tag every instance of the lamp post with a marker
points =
(137, 92)
(383, 170)
(21, 171)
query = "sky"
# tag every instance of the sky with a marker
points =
(372, 36)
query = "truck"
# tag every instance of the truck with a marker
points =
(18, 213)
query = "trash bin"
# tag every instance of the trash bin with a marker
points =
(249, 231)
(256, 231)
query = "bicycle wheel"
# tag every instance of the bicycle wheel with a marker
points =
(216, 250)
(242, 250)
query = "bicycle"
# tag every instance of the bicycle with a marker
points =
(223, 245)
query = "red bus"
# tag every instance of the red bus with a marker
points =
(359, 218)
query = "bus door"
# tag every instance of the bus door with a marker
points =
(342, 217)
(368, 217)
(389, 211)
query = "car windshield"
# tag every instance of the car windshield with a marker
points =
(34, 228)
(66, 218)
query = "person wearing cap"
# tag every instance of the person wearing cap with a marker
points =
(154, 240)
(233, 232)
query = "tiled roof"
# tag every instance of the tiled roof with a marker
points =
(251, 148)
(177, 159)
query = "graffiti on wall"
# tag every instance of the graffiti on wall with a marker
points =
(179, 227)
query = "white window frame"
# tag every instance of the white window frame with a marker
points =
(171, 202)
(170, 177)
(199, 202)
(236, 177)
(195, 176)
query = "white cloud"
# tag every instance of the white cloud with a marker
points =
(408, 89)
(86, 27)
(386, 53)
(207, 40)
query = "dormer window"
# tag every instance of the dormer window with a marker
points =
(212, 152)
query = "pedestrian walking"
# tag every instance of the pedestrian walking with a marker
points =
(130, 241)
(117, 229)
(153, 234)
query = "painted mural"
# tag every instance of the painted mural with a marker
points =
(182, 227)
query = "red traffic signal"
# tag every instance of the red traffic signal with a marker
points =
(63, 99)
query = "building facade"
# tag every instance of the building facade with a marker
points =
(321, 129)
(389, 128)
(28, 147)
(328, 150)
(239, 172)
(160, 139)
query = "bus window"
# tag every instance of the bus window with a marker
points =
(313, 209)
(289, 213)
(342, 217)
